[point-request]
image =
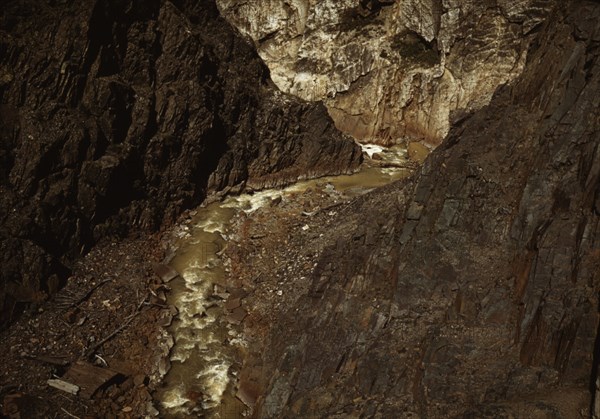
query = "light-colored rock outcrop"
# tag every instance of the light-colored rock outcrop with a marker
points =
(391, 70)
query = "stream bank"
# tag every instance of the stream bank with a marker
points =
(118, 281)
(105, 290)
(209, 332)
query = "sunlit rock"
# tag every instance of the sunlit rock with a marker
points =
(391, 70)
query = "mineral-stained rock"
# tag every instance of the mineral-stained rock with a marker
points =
(476, 295)
(115, 116)
(391, 69)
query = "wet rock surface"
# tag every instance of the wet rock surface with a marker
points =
(469, 290)
(117, 116)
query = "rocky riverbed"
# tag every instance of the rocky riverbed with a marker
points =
(120, 118)
(178, 343)
(468, 289)
(210, 343)
(110, 316)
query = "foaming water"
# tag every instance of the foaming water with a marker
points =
(371, 149)
(203, 360)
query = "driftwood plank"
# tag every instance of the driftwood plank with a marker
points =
(64, 386)
(89, 377)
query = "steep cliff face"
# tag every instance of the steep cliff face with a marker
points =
(116, 116)
(391, 70)
(470, 290)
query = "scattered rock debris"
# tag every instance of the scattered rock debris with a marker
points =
(94, 350)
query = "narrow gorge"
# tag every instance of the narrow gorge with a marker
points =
(300, 208)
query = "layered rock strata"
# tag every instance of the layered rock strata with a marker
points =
(391, 71)
(116, 116)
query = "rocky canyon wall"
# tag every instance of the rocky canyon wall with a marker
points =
(391, 71)
(470, 290)
(115, 116)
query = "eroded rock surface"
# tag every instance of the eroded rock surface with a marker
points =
(391, 70)
(470, 290)
(116, 116)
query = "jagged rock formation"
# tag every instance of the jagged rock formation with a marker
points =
(470, 290)
(117, 115)
(391, 70)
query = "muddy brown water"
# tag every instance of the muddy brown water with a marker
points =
(204, 360)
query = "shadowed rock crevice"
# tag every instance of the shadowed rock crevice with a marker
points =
(116, 117)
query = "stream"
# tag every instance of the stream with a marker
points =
(205, 359)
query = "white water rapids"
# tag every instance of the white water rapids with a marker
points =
(201, 380)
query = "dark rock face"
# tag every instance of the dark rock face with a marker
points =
(116, 116)
(472, 289)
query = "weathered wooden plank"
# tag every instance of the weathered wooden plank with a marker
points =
(89, 377)
(64, 386)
